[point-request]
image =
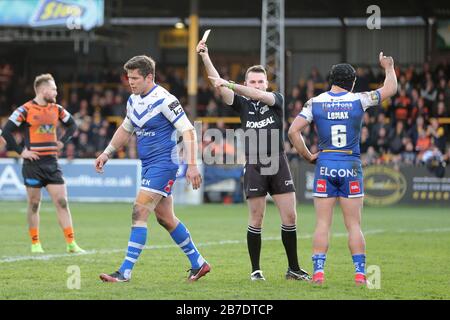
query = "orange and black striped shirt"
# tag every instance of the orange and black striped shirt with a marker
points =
(40, 125)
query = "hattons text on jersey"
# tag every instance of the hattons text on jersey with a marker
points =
(337, 105)
(342, 173)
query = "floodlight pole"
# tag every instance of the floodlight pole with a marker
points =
(272, 41)
(193, 59)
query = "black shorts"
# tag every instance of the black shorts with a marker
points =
(40, 173)
(257, 184)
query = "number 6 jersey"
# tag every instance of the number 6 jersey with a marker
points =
(338, 118)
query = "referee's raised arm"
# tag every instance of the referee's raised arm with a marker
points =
(226, 93)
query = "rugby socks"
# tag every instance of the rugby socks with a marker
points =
(183, 239)
(69, 235)
(319, 262)
(138, 237)
(34, 235)
(319, 265)
(254, 246)
(359, 261)
(289, 238)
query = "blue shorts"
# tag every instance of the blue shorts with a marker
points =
(338, 179)
(157, 180)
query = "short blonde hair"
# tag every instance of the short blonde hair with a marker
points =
(41, 79)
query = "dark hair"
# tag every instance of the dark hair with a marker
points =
(41, 79)
(343, 75)
(144, 64)
(257, 68)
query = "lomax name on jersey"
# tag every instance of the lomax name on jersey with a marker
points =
(341, 115)
(260, 124)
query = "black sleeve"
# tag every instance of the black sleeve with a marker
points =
(279, 100)
(7, 134)
(71, 127)
(237, 103)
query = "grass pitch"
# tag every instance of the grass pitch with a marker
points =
(410, 245)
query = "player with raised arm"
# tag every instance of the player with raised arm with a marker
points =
(338, 116)
(154, 115)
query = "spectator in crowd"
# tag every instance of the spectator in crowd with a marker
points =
(423, 94)
(401, 106)
(408, 156)
(382, 141)
(437, 134)
(441, 110)
(396, 138)
(365, 140)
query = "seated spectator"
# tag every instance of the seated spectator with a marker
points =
(437, 134)
(382, 141)
(370, 157)
(421, 110)
(365, 140)
(433, 159)
(315, 75)
(119, 108)
(408, 155)
(380, 123)
(362, 80)
(415, 130)
(74, 104)
(441, 110)
(396, 137)
(84, 148)
(429, 93)
(423, 143)
(401, 106)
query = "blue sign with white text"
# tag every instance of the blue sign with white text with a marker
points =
(119, 182)
(73, 14)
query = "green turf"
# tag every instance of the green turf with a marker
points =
(410, 245)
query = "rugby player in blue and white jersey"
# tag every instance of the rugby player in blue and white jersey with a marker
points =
(338, 116)
(155, 115)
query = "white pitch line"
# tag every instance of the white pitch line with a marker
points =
(48, 257)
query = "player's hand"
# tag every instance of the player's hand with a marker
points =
(386, 62)
(218, 82)
(29, 155)
(193, 176)
(202, 49)
(60, 145)
(100, 162)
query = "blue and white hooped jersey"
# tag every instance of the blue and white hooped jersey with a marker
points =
(153, 117)
(338, 118)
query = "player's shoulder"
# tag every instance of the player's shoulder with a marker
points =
(277, 94)
(324, 96)
(58, 106)
(161, 92)
(27, 105)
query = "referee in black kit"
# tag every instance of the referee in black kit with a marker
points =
(266, 169)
